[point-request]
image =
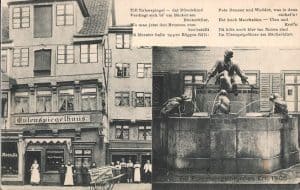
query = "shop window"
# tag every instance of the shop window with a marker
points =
(122, 98)
(64, 14)
(21, 17)
(65, 54)
(4, 105)
(43, 101)
(88, 99)
(122, 41)
(66, 100)
(54, 159)
(122, 132)
(82, 158)
(144, 70)
(21, 57)
(122, 70)
(88, 53)
(9, 158)
(4, 61)
(143, 99)
(21, 102)
(145, 133)
(42, 62)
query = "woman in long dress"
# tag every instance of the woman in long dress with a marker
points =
(69, 174)
(137, 172)
(35, 173)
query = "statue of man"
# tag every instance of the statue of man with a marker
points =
(224, 70)
(280, 106)
(181, 106)
(223, 104)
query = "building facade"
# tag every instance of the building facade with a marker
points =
(52, 90)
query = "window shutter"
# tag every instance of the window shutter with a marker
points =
(42, 61)
(42, 21)
(265, 91)
(276, 80)
(133, 99)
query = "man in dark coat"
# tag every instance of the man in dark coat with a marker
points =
(62, 172)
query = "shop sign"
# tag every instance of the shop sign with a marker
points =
(9, 155)
(21, 120)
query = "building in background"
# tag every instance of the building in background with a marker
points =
(52, 88)
(129, 93)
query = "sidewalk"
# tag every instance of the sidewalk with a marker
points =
(122, 186)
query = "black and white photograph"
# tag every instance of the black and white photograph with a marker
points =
(226, 118)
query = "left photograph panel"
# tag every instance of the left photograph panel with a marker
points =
(76, 97)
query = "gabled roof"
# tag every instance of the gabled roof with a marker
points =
(96, 23)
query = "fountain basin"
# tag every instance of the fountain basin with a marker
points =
(229, 145)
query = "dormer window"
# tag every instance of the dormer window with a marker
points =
(64, 14)
(21, 17)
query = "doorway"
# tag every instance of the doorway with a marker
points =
(30, 156)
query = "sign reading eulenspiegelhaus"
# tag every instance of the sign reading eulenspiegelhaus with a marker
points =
(21, 120)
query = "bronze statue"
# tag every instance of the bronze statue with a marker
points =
(181, 106)
(223, 104)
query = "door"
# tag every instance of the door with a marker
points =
(30, 156)
(43, 21)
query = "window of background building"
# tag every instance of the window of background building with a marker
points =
(145, 133)
(65, 54)
(42, 21)
(4, 61)
(292, 91)
(122, 70)
(82, 158)
(122, 132)
(54, 159)
(21, 102)
(66, 100)
(143, 99)
(42, 62)
(43, 101)
(9, 158)
(88, 99)
(21, 17)
(108, 57)
(88, 53)
(122, 98)
(123, 41)
(4, 105)
(191, 80)
(252, 78)
(64, 14)
(21, 57)
(144, 70)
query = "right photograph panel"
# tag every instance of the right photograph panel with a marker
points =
(226, 117)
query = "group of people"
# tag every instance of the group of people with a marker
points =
(132, 171)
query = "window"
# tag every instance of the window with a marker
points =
(21, 57)
(64, 14)
(82, 158)
(4, 105)
(122, 70)
(9, 158)
(252, 78)
(292, 91)
(122, 132)
(123, 41)
(88, 99)
(191, 80)
(122, 98)
(108, 57)
(66, 100)
(54, 159)
(42, 62)
(144, 70)
(43, 101)
(4, 61)
(21, 17)
(21, 102)
(143, 99)
(65, 54)
(88, 53)
(145, 133)
(42, 21)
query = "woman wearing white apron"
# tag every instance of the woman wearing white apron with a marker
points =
(35, 173)
(69, 174)
(137, 172)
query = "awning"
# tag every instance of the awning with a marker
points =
(68, 141)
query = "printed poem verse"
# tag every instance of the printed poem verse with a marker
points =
(215, 25)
